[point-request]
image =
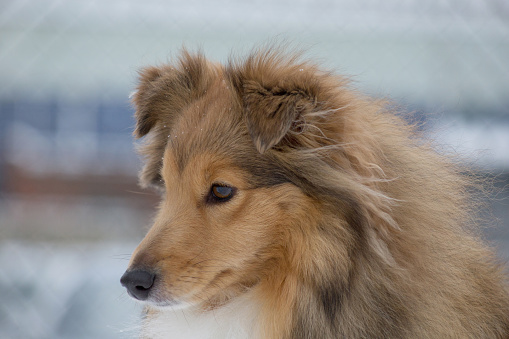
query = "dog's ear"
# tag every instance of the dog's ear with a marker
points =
(162, 93)
(270, 112)
(276, 91)
(144, 96)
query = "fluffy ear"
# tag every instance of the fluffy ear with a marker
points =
(276, 90)
(163, 91)
(270, 113)
(161, 95)
(147, 91)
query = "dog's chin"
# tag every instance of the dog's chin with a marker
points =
(169, 305)
(165, 303)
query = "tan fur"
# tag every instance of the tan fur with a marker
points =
(344, 224)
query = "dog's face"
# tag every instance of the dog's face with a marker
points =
(216, 229)
(227, 208)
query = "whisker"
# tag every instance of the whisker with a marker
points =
(121, 256)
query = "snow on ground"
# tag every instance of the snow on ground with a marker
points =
(58, 291)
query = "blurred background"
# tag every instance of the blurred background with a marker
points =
(70, 210)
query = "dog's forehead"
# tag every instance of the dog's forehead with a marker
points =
(212, 124)
(215, 126)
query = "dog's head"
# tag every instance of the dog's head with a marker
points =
(220, 145)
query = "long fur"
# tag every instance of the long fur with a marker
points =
(345, 222)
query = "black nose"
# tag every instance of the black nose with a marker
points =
(138, 283)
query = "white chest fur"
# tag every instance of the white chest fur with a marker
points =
(236, 320)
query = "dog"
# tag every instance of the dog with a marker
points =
(295, 207)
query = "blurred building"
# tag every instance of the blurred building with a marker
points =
(68, 68)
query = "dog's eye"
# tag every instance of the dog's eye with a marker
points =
(220, 193)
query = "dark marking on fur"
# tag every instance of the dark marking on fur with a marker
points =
(391, 319)
(263, 173)
(338, 199)
(308, 323)
(330, 295)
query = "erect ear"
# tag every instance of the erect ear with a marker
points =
(270, 112)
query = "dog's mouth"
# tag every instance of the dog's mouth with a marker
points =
(149, 287)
